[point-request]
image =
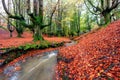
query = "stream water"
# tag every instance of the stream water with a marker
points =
(39, 67)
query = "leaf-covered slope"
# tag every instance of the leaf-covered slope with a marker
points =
(95, 57)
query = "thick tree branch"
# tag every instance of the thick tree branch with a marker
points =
(115, 5)
(102, 4)
(9, 14)
(5, 8)
(96, 7)
(108, 4)
(90, 10)
(7, 19)
(28, 6)
(113, 2)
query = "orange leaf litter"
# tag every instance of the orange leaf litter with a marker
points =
(95, 57)
(6, 42)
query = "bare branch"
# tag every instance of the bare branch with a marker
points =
(28, 6)
(50, 22)
(97, 8)
(5, 8)
(90, 10)
(9, 14)
(115, 5)
(7, 20)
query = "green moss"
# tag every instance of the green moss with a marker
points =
(14, 53)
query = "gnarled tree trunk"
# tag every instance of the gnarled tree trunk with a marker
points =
(36, 18)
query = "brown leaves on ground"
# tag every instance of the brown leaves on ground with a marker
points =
(95, 57)
(6, 41)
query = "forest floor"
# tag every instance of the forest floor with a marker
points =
(95, 57)
(6, 41)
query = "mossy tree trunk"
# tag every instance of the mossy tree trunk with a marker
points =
(105, 8)
(107, 18)
(38, 34)
(9, 27)
(36, 18)
(88, 23)
(38, 13)
(59, 18)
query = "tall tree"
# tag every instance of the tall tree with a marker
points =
(36, 17)
(78, 18)
(59, 17)
(9, 27)
(102, 7)
(18, 10)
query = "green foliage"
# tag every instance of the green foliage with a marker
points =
(17, 52)
(28, 46)
(3, 27)
(73, 33)
(42, 45)
(66, 31)
(69, 19)
(38, 37)
(38, 20)
(19, 28)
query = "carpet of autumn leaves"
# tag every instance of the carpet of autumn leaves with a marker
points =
(95, 57)
(6, 41)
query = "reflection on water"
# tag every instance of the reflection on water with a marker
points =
(40, 67)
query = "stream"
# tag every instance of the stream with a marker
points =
(38, 67)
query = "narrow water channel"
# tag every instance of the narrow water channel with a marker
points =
(39, 67)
